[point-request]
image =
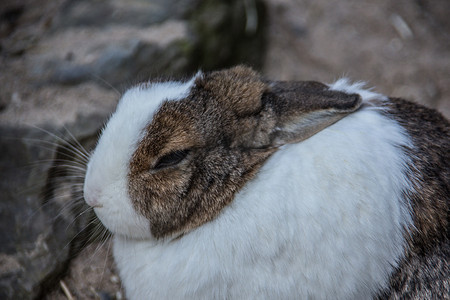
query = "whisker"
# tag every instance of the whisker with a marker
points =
(41, 162)
(49, 198)
(78, 215)
(81, 148)
(36, 211)
(106, 258)
(62, 143)
(87, 209)
(72, 167)
(72, 153)
(78, 234)
(73, 160)
(73, 180)
(98, 233)
(100, 246)
(67, 145)
(107, 83)
(66, 208)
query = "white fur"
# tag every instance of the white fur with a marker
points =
(106, 182)
(344, 85)
(323, 219)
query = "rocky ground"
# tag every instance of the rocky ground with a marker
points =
(64, 63)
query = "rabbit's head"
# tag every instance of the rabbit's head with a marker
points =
(174, 154)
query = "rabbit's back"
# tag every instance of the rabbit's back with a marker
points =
(424, 272)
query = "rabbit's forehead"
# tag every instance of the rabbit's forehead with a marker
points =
(171, 130)
(218, 107)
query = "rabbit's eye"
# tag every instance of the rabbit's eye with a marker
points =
(171, 159)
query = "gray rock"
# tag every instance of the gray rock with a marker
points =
(35, 238)
(41, 220)
(76, 13)
(136, 39)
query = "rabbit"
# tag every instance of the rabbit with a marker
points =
(231, 186)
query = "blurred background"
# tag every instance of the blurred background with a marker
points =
(64, 64)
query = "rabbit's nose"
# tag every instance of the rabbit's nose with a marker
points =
(91, 197)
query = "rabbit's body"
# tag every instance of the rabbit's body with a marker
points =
(291, 234)
(332, 216)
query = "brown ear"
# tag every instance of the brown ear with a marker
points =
(298, 110)
(238, 89)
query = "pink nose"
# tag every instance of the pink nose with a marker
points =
(91, 198)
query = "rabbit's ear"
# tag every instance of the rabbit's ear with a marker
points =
(299, 110)
(238, 90)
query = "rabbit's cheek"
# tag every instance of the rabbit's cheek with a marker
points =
(112, 205)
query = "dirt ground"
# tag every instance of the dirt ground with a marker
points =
(400, 47)
(92, 276)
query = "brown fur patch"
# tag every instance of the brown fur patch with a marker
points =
(430, 133)
(424, 273)
(229, 123)
(179, 198)
(238, 89)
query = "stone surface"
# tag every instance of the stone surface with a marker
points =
(119, 41)
(35, 237)
(115, 54)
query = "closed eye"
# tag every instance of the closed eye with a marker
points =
(171, 159)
